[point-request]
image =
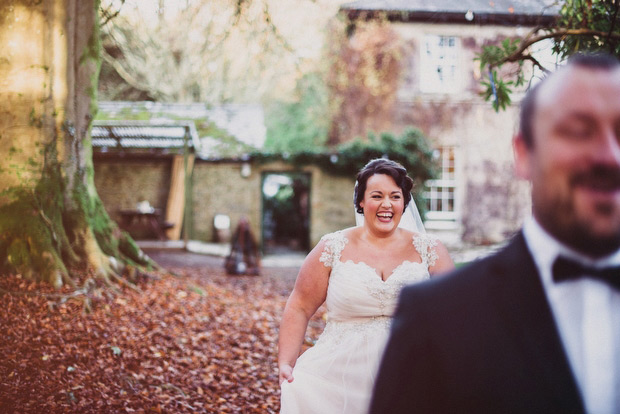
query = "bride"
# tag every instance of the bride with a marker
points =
(358, 272)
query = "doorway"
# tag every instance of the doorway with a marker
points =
(286, 212)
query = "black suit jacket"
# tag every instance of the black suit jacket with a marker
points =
(480, 340)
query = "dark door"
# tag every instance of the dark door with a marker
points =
(286, 211)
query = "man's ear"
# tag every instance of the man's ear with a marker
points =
(522, 155)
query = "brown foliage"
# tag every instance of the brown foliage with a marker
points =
(196, 342)
(364, 80)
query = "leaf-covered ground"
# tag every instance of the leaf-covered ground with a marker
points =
(196, 341)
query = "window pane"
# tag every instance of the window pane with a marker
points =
(440, 193)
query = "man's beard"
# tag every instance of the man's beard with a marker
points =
(584, 240)
(562, 219)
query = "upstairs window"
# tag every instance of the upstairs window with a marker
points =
(439, 65)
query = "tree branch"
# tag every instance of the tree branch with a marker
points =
(109, 16)
(535, 62)
(131, 80)
(527, 42)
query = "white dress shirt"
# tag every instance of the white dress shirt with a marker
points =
(587, 314)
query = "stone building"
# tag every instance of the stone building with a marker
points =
(477, 198)
(231, 187)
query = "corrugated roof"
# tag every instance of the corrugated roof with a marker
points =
(487, 8)
(143, 135)
(245, 122)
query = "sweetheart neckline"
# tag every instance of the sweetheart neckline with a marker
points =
(374, 270)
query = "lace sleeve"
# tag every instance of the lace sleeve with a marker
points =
(334, 243)
(425, 245)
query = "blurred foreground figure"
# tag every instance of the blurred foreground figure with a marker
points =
(244, 257)
(536, 327)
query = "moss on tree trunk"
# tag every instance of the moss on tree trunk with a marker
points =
(43, 240)
(52, 222)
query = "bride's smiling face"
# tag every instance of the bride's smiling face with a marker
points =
(383, 203)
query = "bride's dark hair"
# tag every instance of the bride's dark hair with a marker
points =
(382, 166)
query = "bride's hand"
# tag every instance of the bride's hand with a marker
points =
(286, 373)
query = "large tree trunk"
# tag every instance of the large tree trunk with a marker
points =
(52, 222)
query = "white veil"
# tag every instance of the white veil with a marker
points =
(410, 220)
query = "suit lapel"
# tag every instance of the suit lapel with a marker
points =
(523, 305)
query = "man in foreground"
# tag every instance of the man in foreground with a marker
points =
(536, 327)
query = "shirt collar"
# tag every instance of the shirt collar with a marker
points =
(545, 248)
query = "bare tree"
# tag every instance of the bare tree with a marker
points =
(205, 51)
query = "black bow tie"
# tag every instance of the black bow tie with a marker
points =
(568, 269)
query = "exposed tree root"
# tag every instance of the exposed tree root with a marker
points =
(125, 282)
(68, 280)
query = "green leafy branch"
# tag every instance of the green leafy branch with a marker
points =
(581, 26)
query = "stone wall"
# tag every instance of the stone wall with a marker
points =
(219, 188)
(331, 204)
(122, 183)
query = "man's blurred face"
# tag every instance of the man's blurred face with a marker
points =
(574, 163)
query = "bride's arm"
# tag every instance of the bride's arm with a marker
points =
(443, 263)
(307, 295)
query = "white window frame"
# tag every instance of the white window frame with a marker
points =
(439, 190)
(440, 68)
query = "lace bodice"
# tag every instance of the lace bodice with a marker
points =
(335, 243)
(355, 290)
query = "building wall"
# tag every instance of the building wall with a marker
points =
(491, 201)
(122, 183)
(219, 188)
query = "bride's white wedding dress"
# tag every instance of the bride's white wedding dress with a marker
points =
(337, 374)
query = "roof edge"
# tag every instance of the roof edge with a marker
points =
(502, 19)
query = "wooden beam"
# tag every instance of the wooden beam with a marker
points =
(176, 198)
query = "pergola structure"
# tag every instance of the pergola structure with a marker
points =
(164, 137)
(177, 139)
